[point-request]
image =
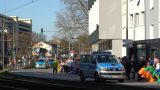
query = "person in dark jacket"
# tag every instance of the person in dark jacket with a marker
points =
(127, 65)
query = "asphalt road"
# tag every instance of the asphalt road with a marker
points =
(72, 80)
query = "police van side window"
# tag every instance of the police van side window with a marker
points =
(93, 60)
(85, 59)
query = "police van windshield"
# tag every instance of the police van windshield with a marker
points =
(106, 59)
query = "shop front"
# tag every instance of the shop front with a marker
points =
(146, 49)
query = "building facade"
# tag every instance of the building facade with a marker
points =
(143, 27)
(17, 38)
(7, 38)
(127, 27)
(24, 36)
(105, 23)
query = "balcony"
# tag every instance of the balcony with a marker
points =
(94, 37)
(90, 3)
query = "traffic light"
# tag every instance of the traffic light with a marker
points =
(41, 30)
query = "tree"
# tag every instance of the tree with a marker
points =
(36, 37)
(73, 19)
(64, 46)
(81, 5)
(85, 46)
(81, 44)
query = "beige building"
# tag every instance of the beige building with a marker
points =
(105, 25)
(23, 36)
(7, 24)
(17, 38)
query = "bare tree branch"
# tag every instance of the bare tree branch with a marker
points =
(73, 19)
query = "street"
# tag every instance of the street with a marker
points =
(47, 74)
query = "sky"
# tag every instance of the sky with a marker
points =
(42, 13)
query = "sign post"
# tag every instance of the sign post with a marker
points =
(128, 43)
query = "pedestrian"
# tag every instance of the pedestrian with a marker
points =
(142, 64)
(66, 68)
(59, 66)
(19, 63)
(156, 62)
(77, 66)
(62, 66)
(55, 65)
(69, 64)
(150, 62)
(127, 66)
(134, 67)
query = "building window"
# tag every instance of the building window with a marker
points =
(107, 45)
(142, 18)
(131, 20)
(151, 32)
(137, 19)
(151, 4)
(141, 49)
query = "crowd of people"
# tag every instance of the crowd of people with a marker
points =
(132, 66)
(66, 66)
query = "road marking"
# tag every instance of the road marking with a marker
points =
(9, 87)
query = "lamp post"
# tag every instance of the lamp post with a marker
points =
(127, 26)
(57, 49)
(3, 43)
(76, 37)
(145, 19)
(145, 22)
(3, 47)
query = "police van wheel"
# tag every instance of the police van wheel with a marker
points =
(96, 77)
(103, 80)
(82, 78)
(121, 80)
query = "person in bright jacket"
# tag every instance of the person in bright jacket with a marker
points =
(55, 65)
(59, 67)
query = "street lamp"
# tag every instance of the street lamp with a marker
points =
(75, 36)
(3, 51)
(3, 43)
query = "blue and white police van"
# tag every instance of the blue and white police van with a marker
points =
(101, 66)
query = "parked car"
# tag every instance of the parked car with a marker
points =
(101, 66)
(50, 62)
(41, 63)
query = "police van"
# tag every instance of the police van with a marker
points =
(101, 66)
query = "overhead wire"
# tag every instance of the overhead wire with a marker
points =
(20, 6)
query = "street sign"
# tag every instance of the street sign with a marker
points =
(128, 45)
(127, 41)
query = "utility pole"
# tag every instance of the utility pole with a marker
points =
(145, 20)
(127, 27)
(3, 43)
(41, 34)
(69, 48)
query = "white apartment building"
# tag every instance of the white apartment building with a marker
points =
(143, 26)
(111, 21)
(105, 25)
